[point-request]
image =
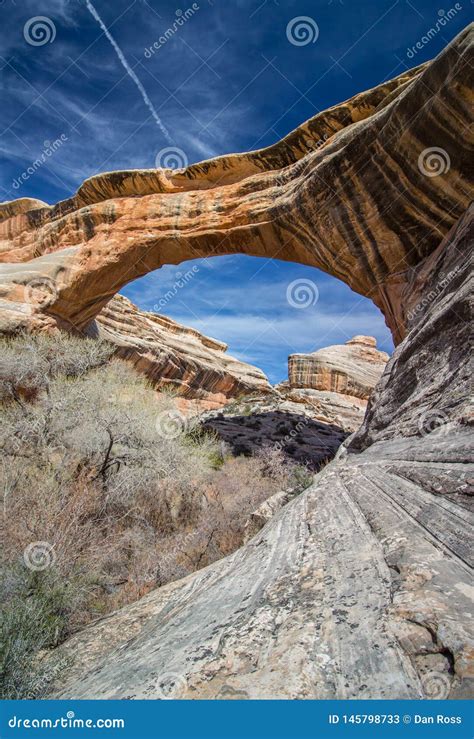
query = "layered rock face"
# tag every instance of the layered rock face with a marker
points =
(361, 587)
(176, 357)
(352, 369)
(364, 191)
(336, 381)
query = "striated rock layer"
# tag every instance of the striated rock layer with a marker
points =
(364, 191)
(176, 357)
(361, 587)
(337, 381)
(343, 411)
(353, 368)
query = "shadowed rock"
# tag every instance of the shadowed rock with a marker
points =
(308, 416)
(296, 435)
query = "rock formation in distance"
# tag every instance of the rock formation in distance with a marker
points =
(353, 368)
(176, 357)
(310, 415)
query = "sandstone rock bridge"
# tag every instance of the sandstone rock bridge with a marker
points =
(361, 587)
(363, 191)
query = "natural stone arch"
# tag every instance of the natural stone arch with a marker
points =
(386, 528)
(350, 192)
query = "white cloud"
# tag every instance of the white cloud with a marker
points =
(298, 332)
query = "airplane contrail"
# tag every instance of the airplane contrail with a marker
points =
(129, 71)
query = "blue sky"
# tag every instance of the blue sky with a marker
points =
(229, 79)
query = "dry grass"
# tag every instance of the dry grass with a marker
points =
(118, 504)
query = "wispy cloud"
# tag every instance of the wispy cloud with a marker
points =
(129, 71)
(215, 92)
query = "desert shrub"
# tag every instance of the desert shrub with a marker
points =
(29, 361)
(240, 486)
(115, 492)
(34, 614)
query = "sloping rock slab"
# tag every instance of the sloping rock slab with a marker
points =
(176, 357)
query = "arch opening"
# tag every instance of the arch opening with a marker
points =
(264, 353)
(263, 309)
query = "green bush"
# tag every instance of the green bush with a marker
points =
(33, 617)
